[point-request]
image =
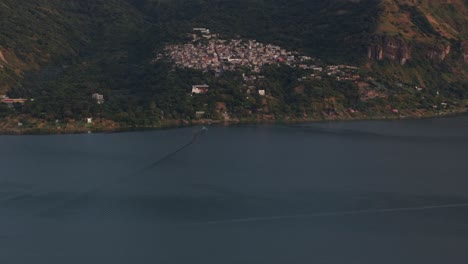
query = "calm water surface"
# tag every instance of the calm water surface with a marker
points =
(345, 192)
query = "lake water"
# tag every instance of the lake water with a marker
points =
(343, 192)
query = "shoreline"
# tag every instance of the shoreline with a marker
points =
(174, 124)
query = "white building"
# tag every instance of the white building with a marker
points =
(199, 114)
(200, 89)
(98, 97)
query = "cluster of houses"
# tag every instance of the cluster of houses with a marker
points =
(208, 52)
(99, 98)
(204, 88)
(339, 72)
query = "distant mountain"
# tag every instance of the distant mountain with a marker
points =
(61, 52)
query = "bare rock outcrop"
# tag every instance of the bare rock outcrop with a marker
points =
(464, 47)
(391, 48)
(2, 58)
(438, 53)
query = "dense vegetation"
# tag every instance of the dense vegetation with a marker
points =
(60, 52)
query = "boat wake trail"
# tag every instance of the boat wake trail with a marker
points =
(166, 157)
(331, 214)
(139, 172)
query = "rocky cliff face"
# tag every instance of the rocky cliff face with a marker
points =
(391, 48)
(465, 51)
(2, 58)
(438, 53)
(399, 50)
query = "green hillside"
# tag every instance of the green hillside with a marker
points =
(60, 52)
(42, 33)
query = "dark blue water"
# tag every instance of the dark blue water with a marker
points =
(347, 192)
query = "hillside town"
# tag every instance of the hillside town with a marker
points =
(206, 51)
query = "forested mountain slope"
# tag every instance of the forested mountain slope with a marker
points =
(60, 52)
